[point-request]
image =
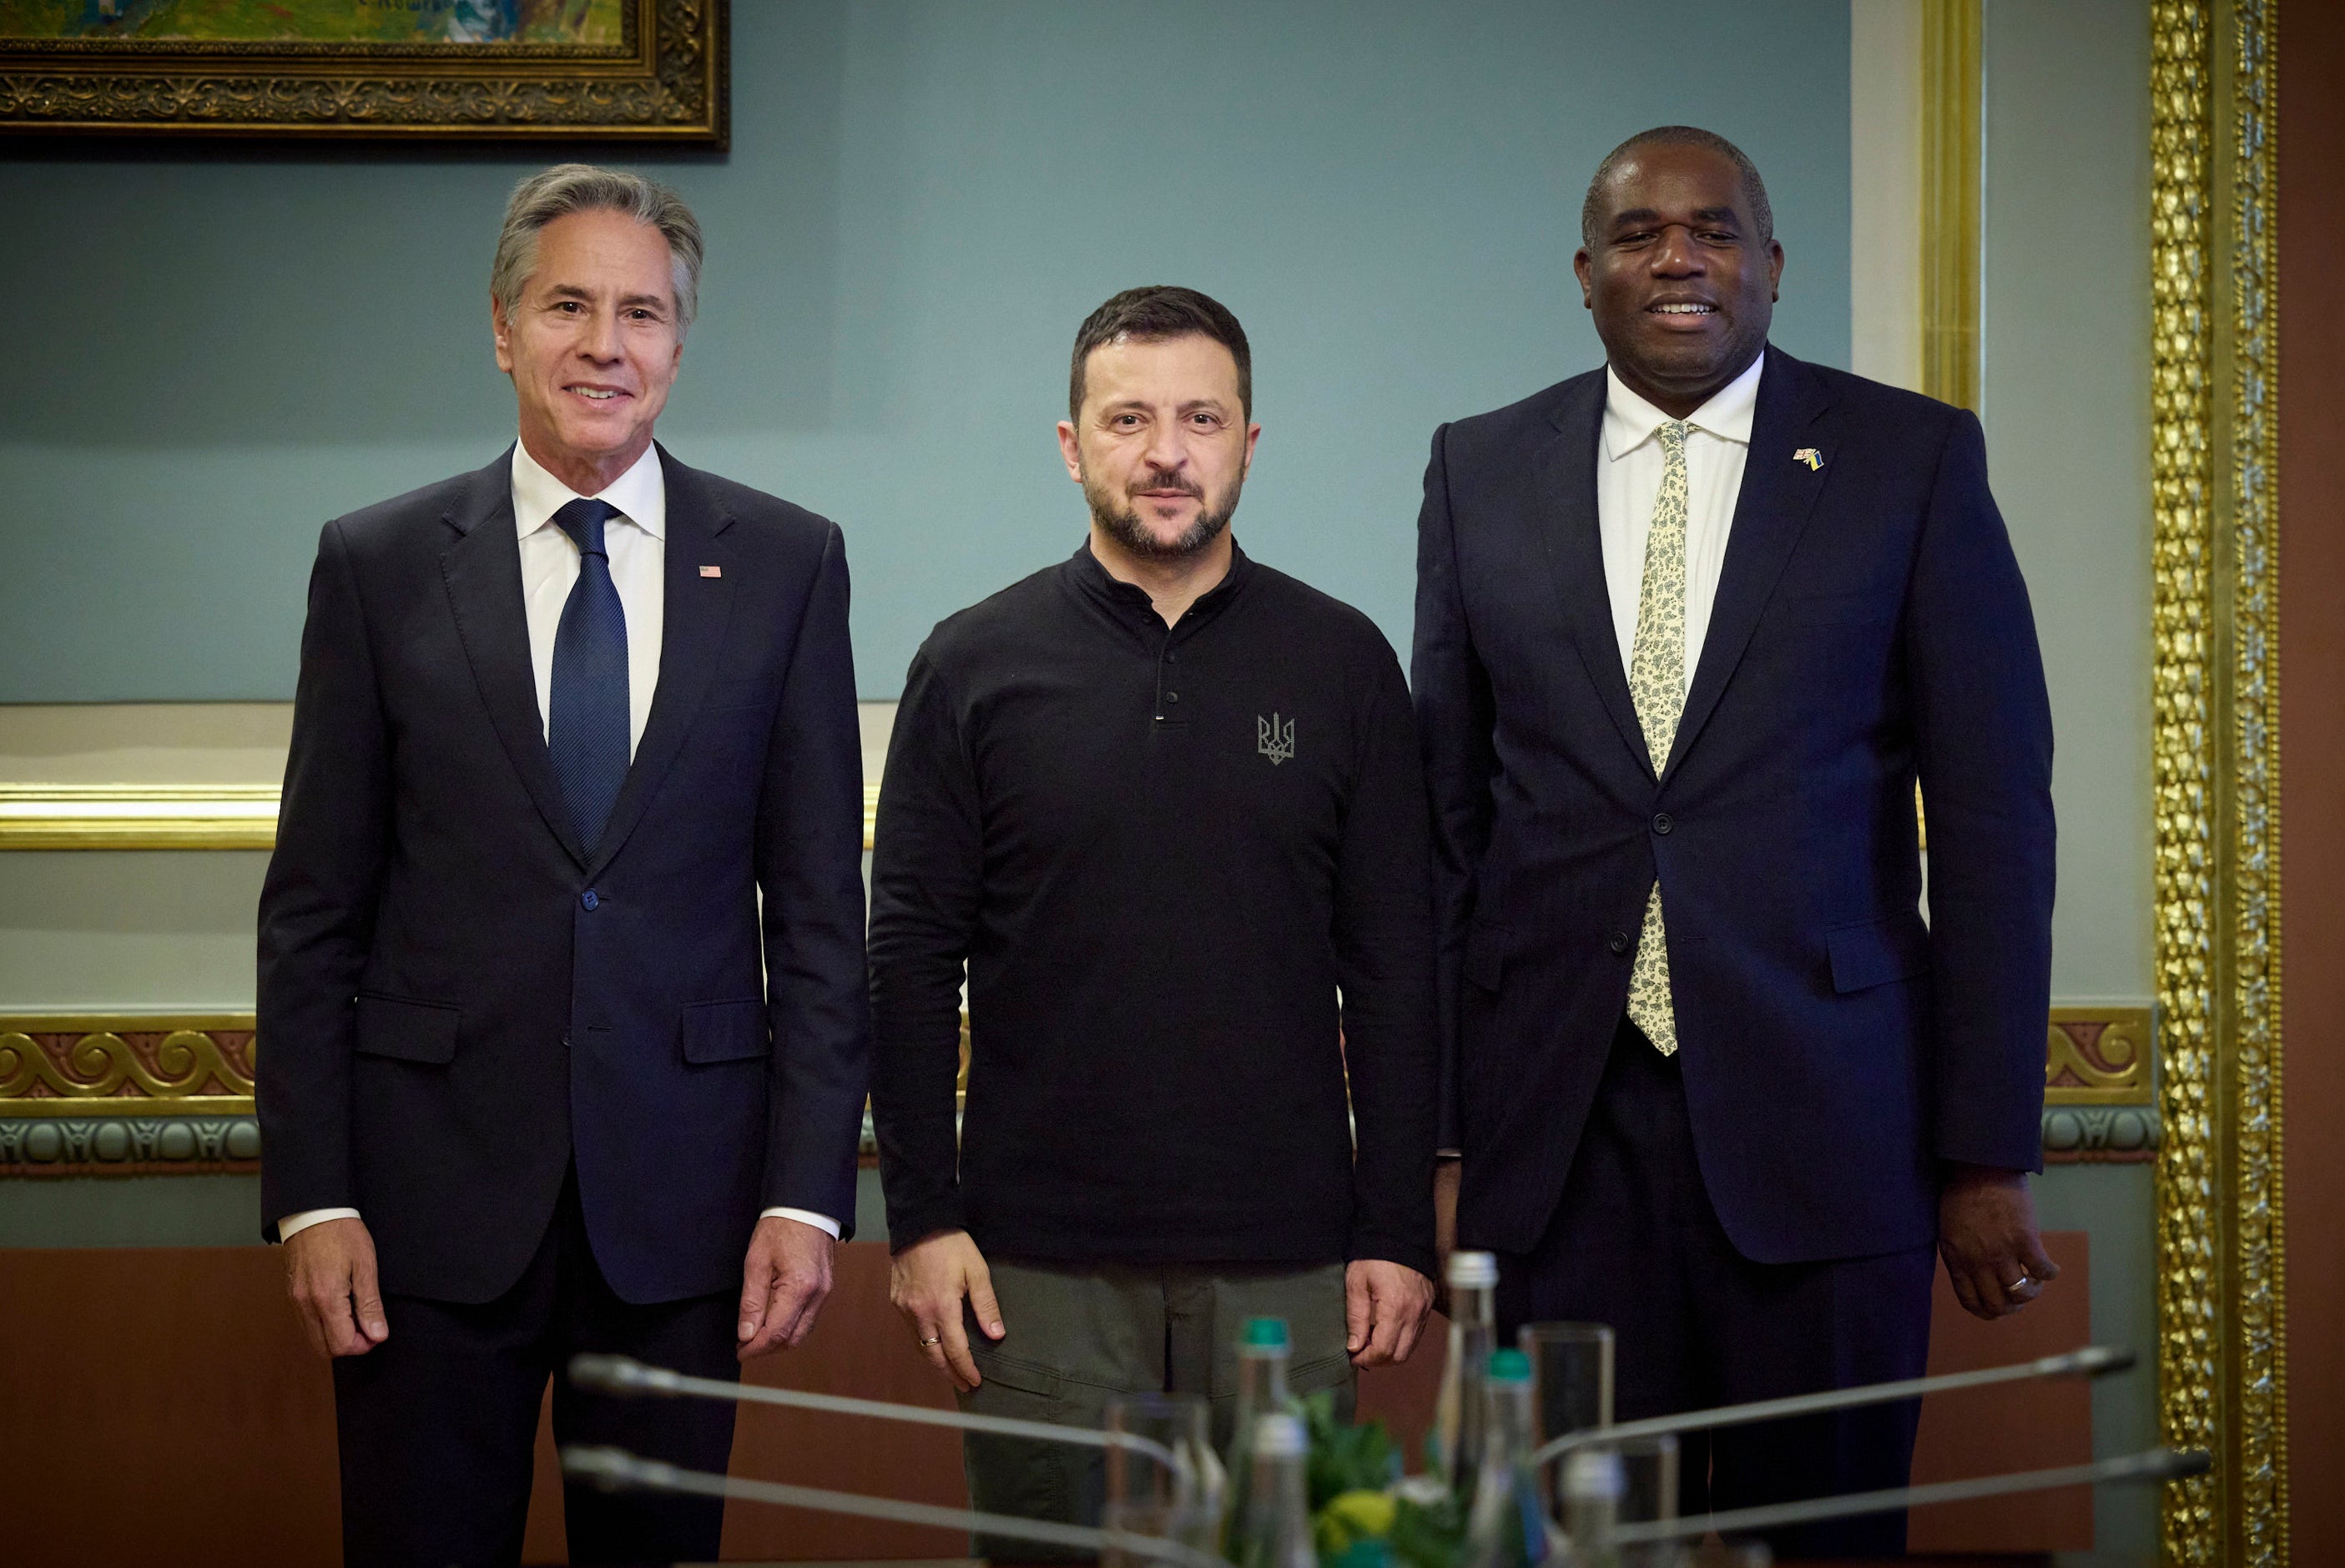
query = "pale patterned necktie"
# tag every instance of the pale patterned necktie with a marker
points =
(1657, 683)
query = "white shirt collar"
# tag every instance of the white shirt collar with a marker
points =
(1629, 421)
(640, 493)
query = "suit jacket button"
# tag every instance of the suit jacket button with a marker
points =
(588, 898)
(1661, 822)
(1619, 942)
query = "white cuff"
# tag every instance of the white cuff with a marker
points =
(292, 1224)
(822, 1222)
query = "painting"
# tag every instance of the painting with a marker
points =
(632, 70)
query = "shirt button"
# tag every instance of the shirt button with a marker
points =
(1661, 822)
(1170, 657)
(589, 899)
(1619, 942)
(1172, 696)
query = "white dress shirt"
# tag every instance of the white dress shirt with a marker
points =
(637, 541)
(1629, 481)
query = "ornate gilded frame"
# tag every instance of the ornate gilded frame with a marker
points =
(666, 81)
(2214, 430)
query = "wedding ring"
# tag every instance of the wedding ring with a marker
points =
(2015, 1284)
(937, 1340)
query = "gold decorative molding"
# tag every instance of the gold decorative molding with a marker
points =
(2097, 1056)
(127, 1065)
(665, 82)
(1954, 156)
(2216, 695)
(138, 816)
(171, 816)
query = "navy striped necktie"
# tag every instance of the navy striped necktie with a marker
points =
(588, 728)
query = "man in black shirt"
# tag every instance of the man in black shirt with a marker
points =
(1164, 804)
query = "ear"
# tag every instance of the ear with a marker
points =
(500, 334)
(1070, 450)
(1582, 265)
(1253, 434)
(1775, 270)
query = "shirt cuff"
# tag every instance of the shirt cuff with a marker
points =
(294, 1224)
(822, 1222)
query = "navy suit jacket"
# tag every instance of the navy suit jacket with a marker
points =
(458, 999)
(1871, 626)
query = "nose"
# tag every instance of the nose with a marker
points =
(1166, 451)
(600, 341)
(1676, 255)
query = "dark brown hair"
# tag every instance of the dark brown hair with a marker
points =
(1151, 314)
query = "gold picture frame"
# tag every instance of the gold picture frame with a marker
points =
(664, 80)
(2222, 1346)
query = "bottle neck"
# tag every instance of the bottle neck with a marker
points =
(1506, 1428)
(1474, 1308)
(1262, 1381)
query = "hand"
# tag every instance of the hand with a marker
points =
(927, 1281)
(1987, 1234)
(1385, 1305)
(1448, 1174)
(783, 1282)
(330, 1273)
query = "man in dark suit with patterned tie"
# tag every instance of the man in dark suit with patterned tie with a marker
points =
(543, 1076)
(1689, 628)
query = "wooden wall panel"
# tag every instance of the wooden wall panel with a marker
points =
(161, 1406)
(2312, 764)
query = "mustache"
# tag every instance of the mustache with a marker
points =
(1187, 487)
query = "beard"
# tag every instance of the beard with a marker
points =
(1121, 517)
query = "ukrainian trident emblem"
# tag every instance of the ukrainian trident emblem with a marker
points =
(1273, 739)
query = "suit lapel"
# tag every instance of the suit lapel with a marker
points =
(1779, 494)
(482, 571)
(692, 635)
(1564, 470)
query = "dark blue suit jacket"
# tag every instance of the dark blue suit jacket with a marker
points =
(457, 998)
(1871, 626)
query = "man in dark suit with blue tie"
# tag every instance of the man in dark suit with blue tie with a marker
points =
(1689, 628)
(542, 1075)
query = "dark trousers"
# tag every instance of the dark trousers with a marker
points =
(439, 1422)
(1635, 1243)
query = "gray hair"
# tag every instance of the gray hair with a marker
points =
(1755, 189)
(573, 187)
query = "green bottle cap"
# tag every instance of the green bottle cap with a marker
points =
(1509, 1366)
(1266, 1334)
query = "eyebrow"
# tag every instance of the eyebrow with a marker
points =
(573, 291)
(1638, 215)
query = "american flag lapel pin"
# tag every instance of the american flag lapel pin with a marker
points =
(1808, 455)
(712, 572)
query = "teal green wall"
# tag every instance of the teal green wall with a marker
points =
(214, 348)
(2067, 409)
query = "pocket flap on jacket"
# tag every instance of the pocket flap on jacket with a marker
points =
(724, 1031)
(1878, 952)
(408, 1031)
(1488, 948)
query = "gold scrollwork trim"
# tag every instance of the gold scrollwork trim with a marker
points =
(2214, 362)
(664, 83)
(171, 816)
(2097, 1056)
(187, 1071)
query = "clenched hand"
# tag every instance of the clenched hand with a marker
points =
(1987, 1234)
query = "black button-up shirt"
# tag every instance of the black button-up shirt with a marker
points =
(1161, 852)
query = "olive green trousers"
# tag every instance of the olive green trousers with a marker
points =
(1080, 1335)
